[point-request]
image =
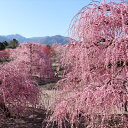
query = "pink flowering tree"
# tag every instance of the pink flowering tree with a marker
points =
(16, 91)
(96, 69)
(33, 60)
(28, 65)
(4, 55)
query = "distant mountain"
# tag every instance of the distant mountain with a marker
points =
(17, 36)
(50, 40)
(46, 40)
(3, 38)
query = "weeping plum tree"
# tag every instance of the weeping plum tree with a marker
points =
(17, 78)
(4, 55)
(96, 69)
(33, 60)
(16, 91)
(49, 50)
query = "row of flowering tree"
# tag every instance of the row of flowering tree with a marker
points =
(28, 64)
(33, 59)
(96, 69)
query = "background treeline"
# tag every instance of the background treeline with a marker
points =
(11, 44)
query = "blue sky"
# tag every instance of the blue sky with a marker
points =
(38, 17)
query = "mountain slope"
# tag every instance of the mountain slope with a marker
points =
(46, 40)
(50, 40)
(3, 38)
(17, 36)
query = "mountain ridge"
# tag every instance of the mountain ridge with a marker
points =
(44, 39)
